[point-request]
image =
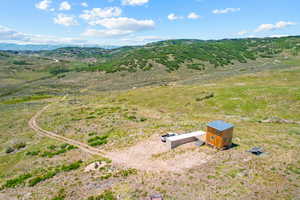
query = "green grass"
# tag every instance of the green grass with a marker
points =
(98, 140)
(25, 99)
(53, 172)
(17, 181)
(32, 182)
(70, 167)
(57, 150)
(36, 177)
(106, 195)
(132, 116)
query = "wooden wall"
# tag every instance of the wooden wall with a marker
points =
(219, 139)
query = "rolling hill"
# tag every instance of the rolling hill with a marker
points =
(63, 109)
(173, 54)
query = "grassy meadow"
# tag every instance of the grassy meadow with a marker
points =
(35, 167)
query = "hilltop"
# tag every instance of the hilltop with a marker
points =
(174, 54)
(119, 101)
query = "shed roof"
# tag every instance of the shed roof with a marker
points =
(220, 125)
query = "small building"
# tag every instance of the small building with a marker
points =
(219, 134)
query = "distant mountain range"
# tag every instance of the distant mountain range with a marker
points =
(40, 47)
(173, 54)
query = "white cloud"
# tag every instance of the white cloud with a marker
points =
(173, 17)
(119, 27)
(278, 36)
(142, 39)
(193, 15)
(225, 11)
(278, 25)
(97, 13)
(241, 33)
(134, 2)
(106, 33)
(43, 5)
(124, 23)
(84, 4)
(66, 20)
(65, 6)
(13, 36)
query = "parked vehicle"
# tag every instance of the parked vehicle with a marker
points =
(163, 138)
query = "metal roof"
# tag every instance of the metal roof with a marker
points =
(220, 125)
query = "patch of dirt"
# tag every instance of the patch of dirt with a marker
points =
(94, 166)
(7, 197)
(141, 156)
(240, 84)
(279, 121)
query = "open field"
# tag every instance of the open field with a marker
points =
(126, 123)
(122, 115)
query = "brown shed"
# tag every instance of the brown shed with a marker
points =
(219, 134)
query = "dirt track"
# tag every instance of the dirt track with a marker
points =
(84, 147)
(139, 156)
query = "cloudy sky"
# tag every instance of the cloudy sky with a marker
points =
(128, 22)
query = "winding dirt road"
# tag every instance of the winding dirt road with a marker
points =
(138, 156)
(84, 147)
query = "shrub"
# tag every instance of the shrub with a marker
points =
(20, 145)
(92, 134)
(9, 150)
(98, 143)
(126, 172)
(58, 70)
(143, 119)
(20, 62)
(91, 117)
(36, 180)
(51, 154)
(71, 147)
(61, 76)
(71, 167)
(106, 195)
(63, 148)
(16, 181)
(204, 97)
(106, 176)
(60, 196)
(132, 118)
(51, 147)
(294, 169)
(98, 140)
(32, 153)
(42, 177)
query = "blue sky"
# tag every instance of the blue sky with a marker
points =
(127, 22)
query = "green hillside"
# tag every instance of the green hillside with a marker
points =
(173, 54)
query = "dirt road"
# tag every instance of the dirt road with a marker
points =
(84, 147)
(139, 156)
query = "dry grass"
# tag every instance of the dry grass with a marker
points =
(233, 174)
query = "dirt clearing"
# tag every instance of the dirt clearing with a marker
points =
(153, 155)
